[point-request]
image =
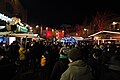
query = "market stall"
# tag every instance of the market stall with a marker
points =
(106, 37)
(69, 40)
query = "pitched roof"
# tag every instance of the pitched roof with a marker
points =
(104, 32)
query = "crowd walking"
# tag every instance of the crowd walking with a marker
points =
(42, 61)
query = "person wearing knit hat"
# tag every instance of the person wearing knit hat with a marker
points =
(77, 69)
(63, 51)
(75, 54)
(61, 65)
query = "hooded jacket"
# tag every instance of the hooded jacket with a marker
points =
(22, 53)
(77, 70)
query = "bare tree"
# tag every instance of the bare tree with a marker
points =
(78, 29)
(100, 21)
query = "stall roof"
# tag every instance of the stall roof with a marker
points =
(24, 35)
(4, 33)
(78, 38)
(69, 40)
(104, 32)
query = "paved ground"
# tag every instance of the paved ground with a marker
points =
(29, 75)
(7, 72)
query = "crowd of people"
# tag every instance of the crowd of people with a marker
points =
(83, 61)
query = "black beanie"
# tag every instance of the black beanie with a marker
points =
(75, 54)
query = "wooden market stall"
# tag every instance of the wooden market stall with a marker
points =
(106, 37)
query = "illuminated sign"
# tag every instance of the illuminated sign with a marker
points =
(22, 29)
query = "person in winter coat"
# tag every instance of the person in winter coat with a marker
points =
(22, 53)
(113, 71)
(36, 52)
(22, 58)
(78, 69)
(61, 65)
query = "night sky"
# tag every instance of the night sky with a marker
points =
(57, 12)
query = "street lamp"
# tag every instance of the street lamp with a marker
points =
(85, 31)
(114, 23)
(46, 28)
(37, 26)
(53, 33)
(63, 33)
(41, 30)
(30, 28)
(116, 26)
(38, 29)
(76, 34)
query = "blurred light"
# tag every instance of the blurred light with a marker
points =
(85, 29)
(46, 28)
(37, 26)
(31, 30)
(76, 34)
(30, 27)
(114, 23)
(118, 29)
(62, 31)
(2, 27)
(109, 42)
(96, 38)
(52, 30)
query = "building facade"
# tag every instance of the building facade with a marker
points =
(13, 8)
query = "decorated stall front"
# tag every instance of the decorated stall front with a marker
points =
(69, 40)
(106, 37)
(4, 37)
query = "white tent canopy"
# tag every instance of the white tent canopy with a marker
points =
(4, 33)
(25, 35)
(78, 38)
(38, 38)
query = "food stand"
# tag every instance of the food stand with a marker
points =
(106, 37)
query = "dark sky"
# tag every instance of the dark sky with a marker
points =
(53, 12)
